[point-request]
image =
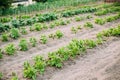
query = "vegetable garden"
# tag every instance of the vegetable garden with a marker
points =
(35, 47)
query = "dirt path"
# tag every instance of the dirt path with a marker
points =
(96, 65)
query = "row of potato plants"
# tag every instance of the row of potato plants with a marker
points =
(105, 11)
(101, 21)
(10, 49)
(43, 18)
(16, 33)
(57, 58)
(79, 27)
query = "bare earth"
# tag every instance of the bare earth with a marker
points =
(100, 63)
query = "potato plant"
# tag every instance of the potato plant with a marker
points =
(14, 76)
(4, 37)
(43, 39)
(40, 64)
(90, 43)
(89, 16)
(33, 41)
(38, 27)
(14, 33)
(29, 72)
(23, 30)
(54, 60)
(23, 45)
(74, 30)
(10, 49)
(78, 18)
(88, 24)
(99, 21)
(52, 36)
(59, 34)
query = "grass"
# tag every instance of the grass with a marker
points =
(44, 6)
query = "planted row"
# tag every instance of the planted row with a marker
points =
(42, 18)
(57, 58)
(101, 21)
(10, 49)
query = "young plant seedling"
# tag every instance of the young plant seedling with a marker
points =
(10, 49)
(23, 31)
(14, 76)
(4, 37)
(33, 41)
(40, 64)
(14, 33)
(29, 71)
(43, 39)
(23, 45)
(99, 21)
(59, 34)
(52, 36)
(74, 30)
(88, 24)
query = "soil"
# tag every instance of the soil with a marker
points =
(101, 63)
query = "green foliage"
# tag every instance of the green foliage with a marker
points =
(38, 26)
(90, 43)
(52, 25)
(14, 76)
(54, 60)
(77, 11)
(99, 21)
(1, 54)
(40, 64)
(102, 12)
(43, 39)
(78, 18)
(88, 24)
(59, 34)
(23, 45)
(15, 23)
(23, 30)
(33, 41)
(1, 75)
(5, 20)
(74, 30)
(63, 53)
(29, 71)
(10, 49)
(109, 32)
(14, 33)
(47, 17)
(89, 16)
(52, 36)
(112, 18)
(4, 37)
